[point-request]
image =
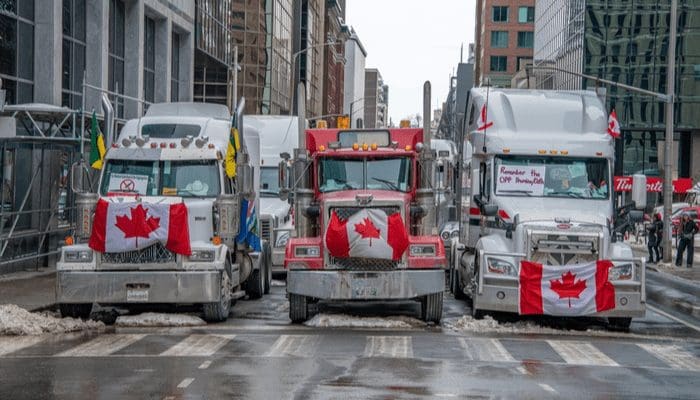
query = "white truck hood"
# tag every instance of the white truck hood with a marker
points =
(274, 207)
(538, 209)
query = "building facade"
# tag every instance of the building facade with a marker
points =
(213, 51)
(309, 39)
(139, 48)
(354, 86)
(376, 100)
(334, 67)
(504, 39)
(627, 42)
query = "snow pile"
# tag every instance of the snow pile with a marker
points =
(468, 324)
(159, 320)
(350, 321)
(275, 282)
(15, 320)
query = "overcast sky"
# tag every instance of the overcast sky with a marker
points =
(411, 41)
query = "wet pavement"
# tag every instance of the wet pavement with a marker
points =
(258, 354)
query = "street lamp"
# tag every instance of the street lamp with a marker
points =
(294, 68)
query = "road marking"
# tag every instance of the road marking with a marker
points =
(481, 349)
(294, 346)
(580, 353)
(102, 345)
(198, 346)
(10, 344)
(185, 382)
(672, 355)
(389, 346)
(673, 318)
(205, 365)
(547, 388)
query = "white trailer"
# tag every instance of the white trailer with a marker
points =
(564, 218)
(175, 154)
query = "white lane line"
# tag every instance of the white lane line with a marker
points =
(102, 345)
(185, 382)
(303, 346)
(389, 346)
(547, 388)
(198, 346)
(673, 355)
(10, 344)
(673, 318)
(482, 349)
(169, 398)
(580, 353)
(205, 365)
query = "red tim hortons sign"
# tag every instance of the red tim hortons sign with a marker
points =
(654, 184)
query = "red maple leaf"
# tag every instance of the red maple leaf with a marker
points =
(366, 229)
(138, 225)
(566, 288)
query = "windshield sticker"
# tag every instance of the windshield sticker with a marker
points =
(520, 179)
(128, 183)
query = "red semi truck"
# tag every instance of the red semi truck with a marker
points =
(365, 222)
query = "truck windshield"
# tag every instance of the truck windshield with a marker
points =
(532, 176)
(348, 174)
(269, 182)
(192, 178)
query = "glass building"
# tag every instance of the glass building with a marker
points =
(627, 42)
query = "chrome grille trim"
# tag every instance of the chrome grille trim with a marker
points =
(154, 254)
(347, 212)
(364, 264)
(266, 229)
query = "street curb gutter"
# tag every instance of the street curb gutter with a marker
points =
(677, 294)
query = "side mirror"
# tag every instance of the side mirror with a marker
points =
(78, 177)
(283, 179)
(489, 210)
(639, 191)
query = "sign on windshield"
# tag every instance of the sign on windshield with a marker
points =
(128, 183)
(520, 179)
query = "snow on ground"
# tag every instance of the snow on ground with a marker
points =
(15, 320)
(276, 282)
(159, 320)
(350, 321)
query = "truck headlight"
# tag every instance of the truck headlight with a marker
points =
(307, 251)
(84, 256)
(203, 255)
(500, 267)
(454, 234)
(621, 272)
(422, 250)
(445, 235)
(282, 239)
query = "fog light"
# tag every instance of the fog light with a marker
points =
(501, 295)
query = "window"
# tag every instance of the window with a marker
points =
(500, 14)
(17, 50)
(526, 15)
(499, 63)
(175, 68)
(525, 39)
(149, 59)
(379, 174)
(499, 39)
(116, 53)
(73, 52)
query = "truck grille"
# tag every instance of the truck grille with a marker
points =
(266, 229)
(151, 254)
(364, 264)
(557, 249)
(347, 212)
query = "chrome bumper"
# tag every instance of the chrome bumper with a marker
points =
(351, 285)
(138, 287)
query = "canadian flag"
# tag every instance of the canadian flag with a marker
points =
(120, 227)
(613, 125)
(484, 123)
(369, 233)
(570, 290)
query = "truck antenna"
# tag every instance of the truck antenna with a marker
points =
(488, 87)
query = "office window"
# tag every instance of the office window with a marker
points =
(526, 15)
(500, 14)
(73, 52)
(175, 68)
(499, 63)
(525, 39)
(116, 53)
(499, 39)
(149, 59)
(17, 50)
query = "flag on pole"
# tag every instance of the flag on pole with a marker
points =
(97, 145)
(234, 144)
(248, 228)
(484, 123)
(613, 125)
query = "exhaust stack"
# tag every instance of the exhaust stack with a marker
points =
(303, 195)
(426, 193)
(108, 111)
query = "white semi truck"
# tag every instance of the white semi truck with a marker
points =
(537, 188)
(175, 155)
(278, 135)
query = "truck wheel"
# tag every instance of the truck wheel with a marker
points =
(218, 312)
(81, 311)
(456, 285)
(476, 313)
(298, 308)
(268, 267)
(256, 283)
(619, 323)
(431, 308)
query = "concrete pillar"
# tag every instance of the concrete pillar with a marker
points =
(48, 45)
(96, 50)
(187, 66)
(133, 57)
(163, 55)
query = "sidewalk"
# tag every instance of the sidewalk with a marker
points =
(29, 290)
(691, 274)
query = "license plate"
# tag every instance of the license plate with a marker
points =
(136, 295)
(363, 289)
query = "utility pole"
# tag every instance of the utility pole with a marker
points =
(668, 145)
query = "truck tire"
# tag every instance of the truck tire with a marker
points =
(218, 312)
(456, 285)
(476, 313)
(298, 308)
(619, 323)
(431, 308)
(81, 311)
(255, 286)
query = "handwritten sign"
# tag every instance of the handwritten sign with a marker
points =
(128, 183)
(519, 179)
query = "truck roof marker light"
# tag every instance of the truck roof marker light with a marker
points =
(115, 145)
(564, 152)
(374, 146)
(542, 151)
(69, 240)
(365, 146)
(154, 145)
(506, 151)
(216, 240)
(553, 152)
(355, 146)
(321, 148)
(163, 145)
(173, 145)
(408, 147)
(211, 145)
(599, 153)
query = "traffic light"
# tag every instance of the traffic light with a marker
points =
(344, 122)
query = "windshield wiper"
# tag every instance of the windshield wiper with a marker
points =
(518, 191)
(390, 184)
(569, 194)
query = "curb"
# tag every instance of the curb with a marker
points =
(670, 293)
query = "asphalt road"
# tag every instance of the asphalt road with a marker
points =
(257, 354)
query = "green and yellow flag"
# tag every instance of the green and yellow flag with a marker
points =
(97, 145)
(234, 143)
